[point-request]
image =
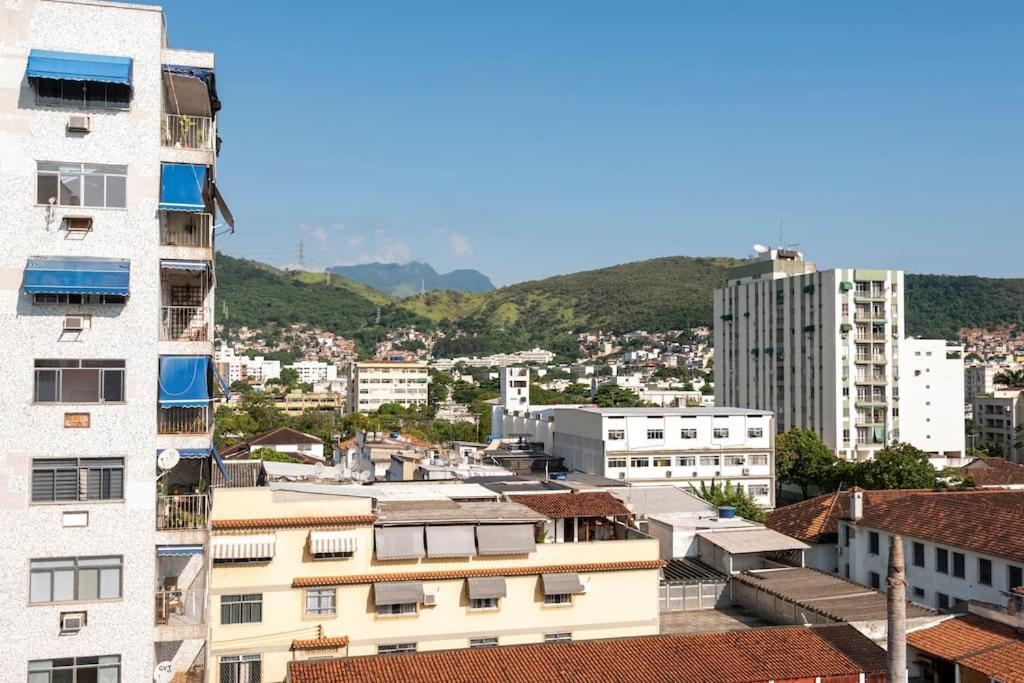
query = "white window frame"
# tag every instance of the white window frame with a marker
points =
(321, 596)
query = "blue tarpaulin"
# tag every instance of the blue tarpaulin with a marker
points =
(82, 275)
(72, 66)
(178, 550)
(204, 75)
(185, 382)
(183, 187)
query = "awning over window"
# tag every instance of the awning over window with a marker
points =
(220, 464)
(561, 584)
(222, 207)
(879, 434)
(73, 66)
(487, 587)
(450, 541)
(204, 75)
(173, 264)
(332, 542)
(82, 275)
(183, 187)
(220, 381)
(248, 547)
(397, 592)
(506, 539)
(185, 382)
(178, 550)
(399, 542)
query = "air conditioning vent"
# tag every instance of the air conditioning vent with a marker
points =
(74, 323)
(695, 473)
(72, 622)
(430, 598)
(79, 123)
(668, 475)
(622, 475)
(746, 470)
(78, 223)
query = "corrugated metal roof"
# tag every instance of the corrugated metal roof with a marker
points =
(759, 540)
(688, 570)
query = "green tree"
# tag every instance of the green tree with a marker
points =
(263, 412)
(803, 459)
(719, 494)
(289, 377)
(1010, 378)
(614, 396)
(271, 455)
(240, 387)
(439, 388)
(898, 466)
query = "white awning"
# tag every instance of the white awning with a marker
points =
(561, 584)
(248, 547)
(332, 542)
(486, 587)
(399, 542)
(397, 592)
(506, 539)
(451, 541)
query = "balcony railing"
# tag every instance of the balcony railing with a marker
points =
(181, 607)
(183, 420)
(184, 323)
(190, 511)
(186, 230)
(186, 132)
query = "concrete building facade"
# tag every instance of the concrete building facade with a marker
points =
(372, 384)
(107, 283)
(997, 417)
(931, 401)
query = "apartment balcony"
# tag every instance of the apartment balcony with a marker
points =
(185, 323)
(182, 512)
(185, 420)
(186, 230)
(185, 131)
(181, 607)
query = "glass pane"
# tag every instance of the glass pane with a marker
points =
(46, 386)
(64, 585)
(108, 674)
(40, 587)
(115, 485)
(117, 95)
(113, 385)
(116, 193)
(70, 190)
(96, 94)
(48, 91)
(110, 583)
(46, 187)
(88, 584)
(101, 561)
(67, 676)
(80, 386)
(93, 190)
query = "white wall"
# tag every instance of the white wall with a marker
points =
(931, 399)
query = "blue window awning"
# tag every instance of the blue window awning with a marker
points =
(220, 464)
(185, 382)
(178, 550)
(74, 66)
(205, 75)
(220, 380)
(183, 187)
(189, 452)
(61, 275)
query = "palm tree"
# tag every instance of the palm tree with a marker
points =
(1010, 378)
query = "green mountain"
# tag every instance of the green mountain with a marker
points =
(658, 294)
(407, 279)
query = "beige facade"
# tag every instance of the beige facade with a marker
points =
(617, 585)
(372, 384)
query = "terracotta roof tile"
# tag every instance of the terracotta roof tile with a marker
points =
(564, 505)
(285, 522)
(283, 435)
(975, 520)
(987, 471)
(960, 637)
(1004, 664)
(320, 643)
(308, 581)
(781, 654)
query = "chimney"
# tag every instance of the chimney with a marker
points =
(896, 613)
(856, 504)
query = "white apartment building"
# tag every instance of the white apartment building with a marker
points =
(372, 384)
(979, 379)
(311, 371)
(931, 399)
(958, 546)
(822, 349)
(681, 446)
(997, 417)
(108, 170)
(254, 369)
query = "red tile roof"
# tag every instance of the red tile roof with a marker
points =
(975, 520)
(283, 436)
(986, 646)
(564, 505)
(308, 581)
(787, 653)
(816, 520)
(320, 643)
(285, 522)
(1004, 664)
(986, 471)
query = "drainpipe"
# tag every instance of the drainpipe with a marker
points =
(896, 613)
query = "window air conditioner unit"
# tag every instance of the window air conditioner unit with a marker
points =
(668, 475)
(78, 223)
(622, 475)
(746, 470)
(718, 473)
(78, 123)
(72, 622)
(695, 473)
(430, 598)
(74, 323)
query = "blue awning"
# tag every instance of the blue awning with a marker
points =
(220, 463)
(73, 66)
(178, 550)
(189, 452)
(172, 264)
(204, 75)
(184, 382)
(61, 275)
(220, 380)
(183, 187)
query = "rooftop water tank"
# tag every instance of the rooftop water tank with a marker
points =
(727, 512)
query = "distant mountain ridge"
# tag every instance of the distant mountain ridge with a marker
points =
(407, 279)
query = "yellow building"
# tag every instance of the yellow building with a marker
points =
(299, 574)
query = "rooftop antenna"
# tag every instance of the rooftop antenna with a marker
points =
(302, 257)
(378, 315)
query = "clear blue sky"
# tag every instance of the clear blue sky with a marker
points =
(532, 138)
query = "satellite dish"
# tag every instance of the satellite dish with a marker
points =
(164, 671)
(760, 248)
(364, 476)
(168, 458)
(318, 469)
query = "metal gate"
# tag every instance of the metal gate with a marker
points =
(687, 597)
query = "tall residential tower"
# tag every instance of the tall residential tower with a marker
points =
(108, 144)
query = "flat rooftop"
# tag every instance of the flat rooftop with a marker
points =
(825, 594)
(660, 500)
(436, 511)
(624, 412)
(399, 490)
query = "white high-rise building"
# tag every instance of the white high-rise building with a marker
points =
(931, 399)
(107, 169)
(824, 350)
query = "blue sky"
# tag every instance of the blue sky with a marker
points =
(527, 139)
